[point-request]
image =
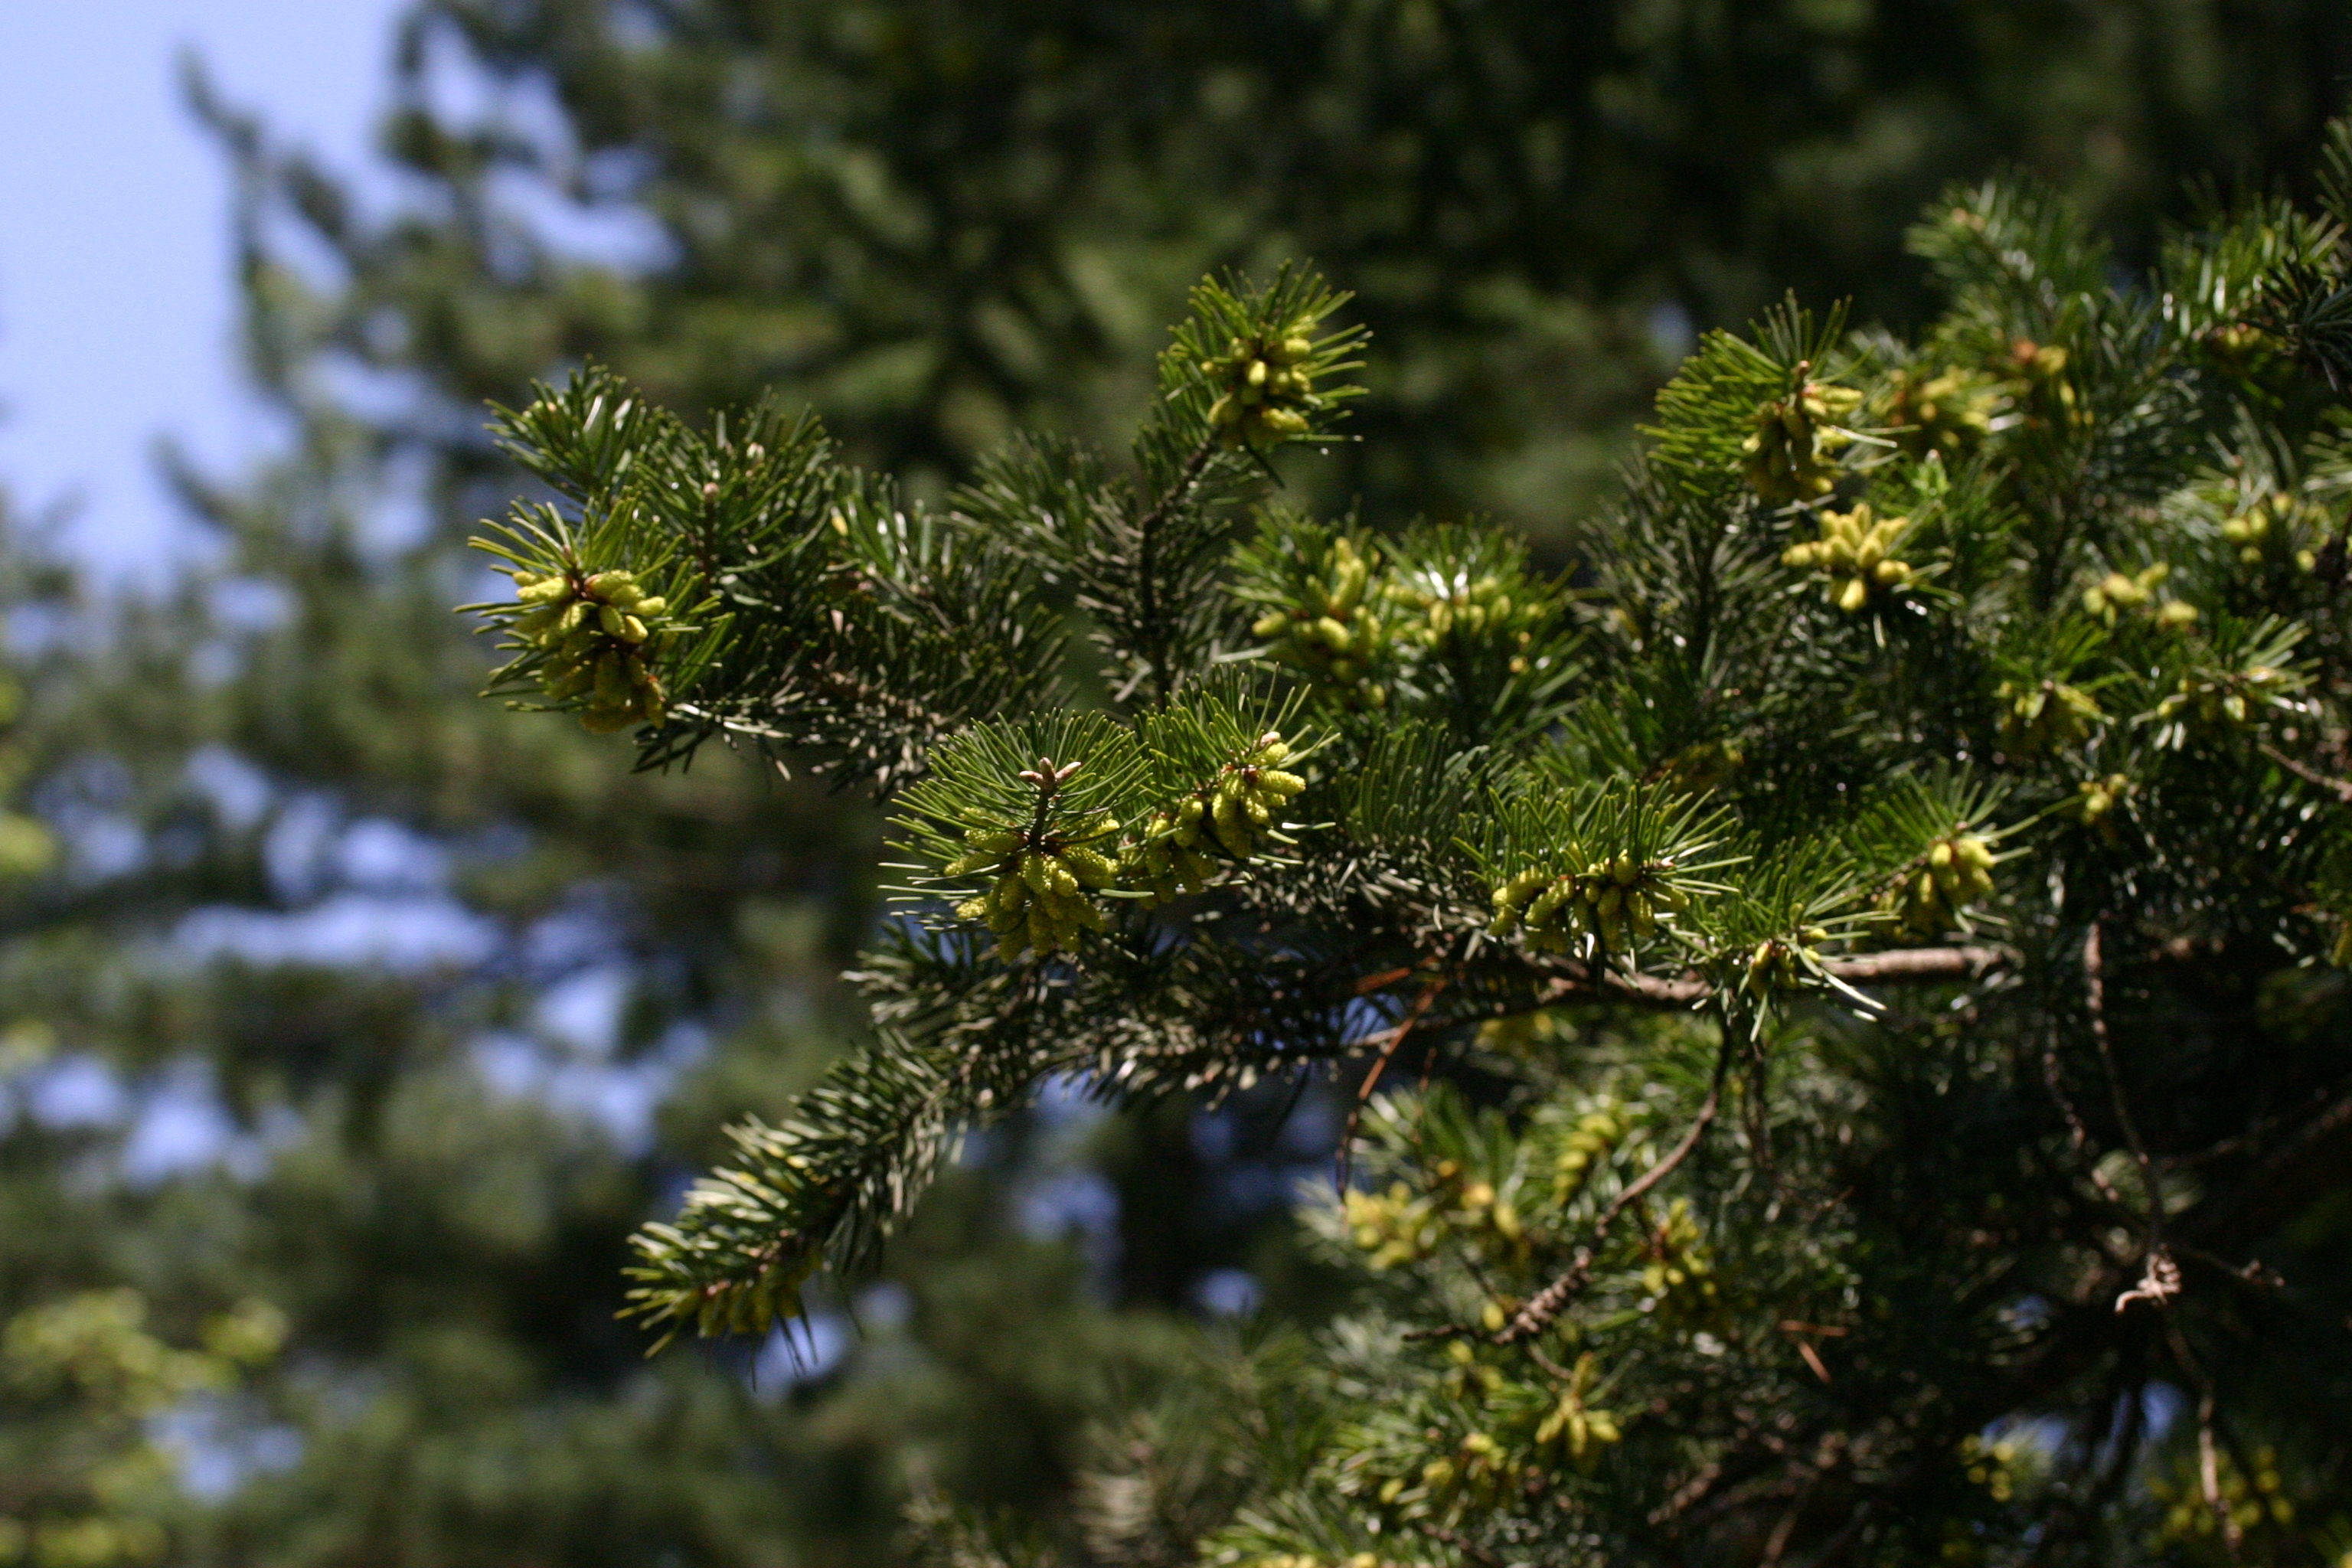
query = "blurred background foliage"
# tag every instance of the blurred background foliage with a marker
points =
(343, 1007)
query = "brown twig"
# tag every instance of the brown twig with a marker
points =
(1394, 1038)
(2080, 1135)
(2340, 788)
(2252, 1271)
(1146, 572)
(1438, 1331)
(2284, 1174)
(1777, 1544)
(2161, 1280)
(2209, 1466)
(1549, 1367)
(1679, 1501)
(2209, 1479)
(1796, 1332)
(1545, 1304)
(1902, 964)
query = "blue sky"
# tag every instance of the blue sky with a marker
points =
(118, 318)
(117, 313)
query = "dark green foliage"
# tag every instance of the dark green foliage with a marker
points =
(939, 223)
(1979, 1153)
(935, 222)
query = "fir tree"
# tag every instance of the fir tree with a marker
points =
(937, 222)
(1874, 934)
(847, 202)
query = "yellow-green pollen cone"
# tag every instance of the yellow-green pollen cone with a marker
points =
(1037, 900)
(600, 632)
(1955, 871)
(1333, 633)
(1234, 812)
(1789, 451)
(2046, 715)
(1267, 388)
(1615, 900)
(1856, 553)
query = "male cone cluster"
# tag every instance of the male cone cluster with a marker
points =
(1590, 1143)
(1609, 898)
(2226, 700)
(2115, 592)
(2095, 801)
(1788, 453)
(1775, 961)
(2249, 528)
(1476, 1476)
(2042, 380)
(1464, 611)
(2275, 517)
(1269, 389)
(1395, 1226)
(599, 631)
(1679, 1274)
(2257, 1503)
(1174, 857)
(1039, 901)
(1572, 1426)
(1988, 1466)
(1856, 553)
(2046, 715)
(1957, 871)
(1332, 634)
(1174, 854)
(1945, 414)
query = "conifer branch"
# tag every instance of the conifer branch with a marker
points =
(1146, 576)
(2079, 1136)
(1889, 644)
(1390, 1039)
(1908, 965)
(1546, 1304)
(2163, 1276)
(2340, 788)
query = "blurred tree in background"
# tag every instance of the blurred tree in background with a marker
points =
(441, 1005)
(937, 220)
